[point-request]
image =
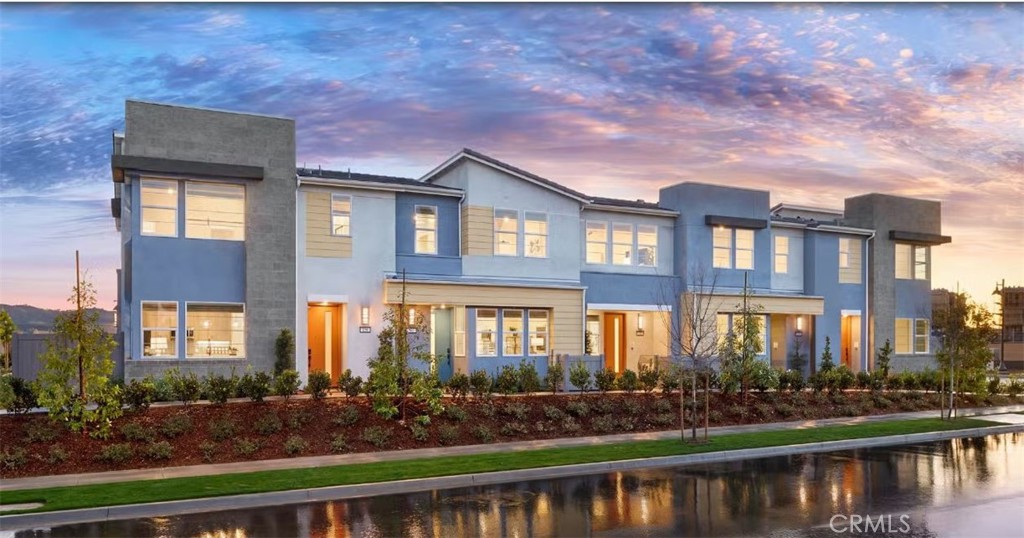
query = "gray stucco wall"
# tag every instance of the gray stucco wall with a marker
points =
(208, 136)
(821, 269)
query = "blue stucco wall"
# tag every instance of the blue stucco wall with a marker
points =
(821, 274)
(913, 299)
(447, 261)
(630, 289)
(493, 365)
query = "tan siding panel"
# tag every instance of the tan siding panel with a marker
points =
(478, 231)
(319, 241)
(852, 274)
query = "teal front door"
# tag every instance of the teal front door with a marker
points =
(442, 337)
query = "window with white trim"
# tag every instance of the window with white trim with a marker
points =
(538, 332)
(159, 207)
(593, 334)
(646, 245)
(214, 211)
(744, 248)
(159, 329)
(460, 331)
(512, 332)
(341, 215)
(922, 333)
(912, 336)
(911, 261)
(722, 244)
(845, 247)
(733, 248)
(486, 332)
(597, 242)
(622, 243)
(426, 229)
(215, 330)
(921, 262)
(535, 234)
(506, 232)
(781, 254)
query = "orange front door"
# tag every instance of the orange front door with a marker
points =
(324, 331)
(615, 341)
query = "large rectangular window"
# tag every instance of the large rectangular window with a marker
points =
(732, 248)
(781, 254)
(921, 263)
(904, 335)
(722, 240)
(341, 214)
(486, 332)
(744, 249)
(159, 329)
(215, 330)
(538, 332)
(845, 246)
(911, 261)
(426, 229)
(159, 207)
(597, 242)
(921, 335)
(214, 211)
(721, 328)
(647, 245)
(535, 235)
(506, 232)
(622, 243)
(593, 335)
(512, 332)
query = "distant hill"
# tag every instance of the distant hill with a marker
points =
(30, 318)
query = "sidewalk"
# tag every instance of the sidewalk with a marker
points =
(371, 457)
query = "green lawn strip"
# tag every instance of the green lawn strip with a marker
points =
(170, 489)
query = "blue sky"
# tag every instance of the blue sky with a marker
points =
(814, 103)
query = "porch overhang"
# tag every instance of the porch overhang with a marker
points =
(629, 307)
(806, 305)
(919, 238)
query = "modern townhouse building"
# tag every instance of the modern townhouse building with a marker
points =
(225, 242)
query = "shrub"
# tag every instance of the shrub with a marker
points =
(1016, 386)
(605, 380)
(569, 425)
(137, 432)
(347, 415)
(116, 453)
(663, 419)
(529, 380)
(863, 380)
(56, 455)
(318, 383)
(256, 386)
(480, 383)
(377, 436)
(419, 433)
(604, 406)
(186, 388)
(670, 380)
(507, 381)
(458, 386)
(894, 382)
(819, 381)
(632, 407)
(159, 450)
(842, 379)
(138, 395)
(268, 423)
(627, 424)
(488, 410)
(578, 408)
(929, 380)
(163, 390)
(339, 444)
(222, 428)
(41, 431)
(298, 418)
(176, 425)
(603, 424)
(785, 410)
(763, 377)
(555, 376)
(349, 384)
(629, 381)
(284, 352)
(579, 376)
(456, 413)
(764, 410)
(24, 396)
(663, 406)
(247, 447)
(13, 458)
(511, 429)
(286, 383)
(422, 420)
(219, 388)
(880, 402)
(448, 434)
(295, 445)
(994, 385)
(649, 379)
(715, 416)
(553, 413)
(516, 409)
(483, 433)
(209, 450)
(796, 380)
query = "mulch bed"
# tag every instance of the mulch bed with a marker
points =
(497, 419)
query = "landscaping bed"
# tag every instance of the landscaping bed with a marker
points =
(196, 434)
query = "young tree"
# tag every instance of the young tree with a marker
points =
(747, 344)
(74, 383)
(284, 352)
(698, 339)
(966, 329)
(7, 330)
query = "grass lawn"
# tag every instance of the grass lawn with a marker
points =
(257, 482)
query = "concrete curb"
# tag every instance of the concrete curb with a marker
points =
(235, 502)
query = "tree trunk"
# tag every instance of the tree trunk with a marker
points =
(682, 404)
(693, 394)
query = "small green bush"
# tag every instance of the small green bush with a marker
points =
(458, 386)
(604, 406)
(419, 433)
(764, 410)
(514, 428)
(488, 410)
(298, 418)
(219, 388)
(785, 410)
(670, 380)
(994, 385)
(1016, 386)
(268, 424)
(555, 377)
(629, 381)
(578, 408)
(480, 383)
(176, 425)
(842, 379)
(24, 395)
(137, 432)
(605, 380)
(247, 447)
(422, 420)
(116, 453)
(579, 376)
(553, 413)
(483, 433)
(632, 407)
(663, 419)
(377, 436)
(649, 378)
(603, 424)
(447, 434)
(318, 384)
(529, 379)
(284, 351)
(41, 431)
(456, 413)
(295, 445)
(209, 450)
(256, 386)
(286, 384)
(516, 409)
(348, 415)
(627, 424)
(349, 384)
(13, 458)
(56, 455)
(764, 377)
(138, 395)
(339, 444)
(715, 416)
(663, 406)
(863, 380)
(222, 428)
(570, 425)
(159, 450)
(507, 381)
(186, 387)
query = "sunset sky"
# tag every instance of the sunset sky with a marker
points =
(814, 103)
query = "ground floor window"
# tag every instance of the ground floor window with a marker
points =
(593, 334)
(912, 335)
(486, 329)
(512, 330)
(215, 330)
(538, 332)
(159, 329)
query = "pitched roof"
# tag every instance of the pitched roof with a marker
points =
(617, 202)
(370, 178)
(468, 153)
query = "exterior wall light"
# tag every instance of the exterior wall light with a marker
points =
(364, 315)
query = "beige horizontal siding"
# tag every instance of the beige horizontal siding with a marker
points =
(724, 303)
(477, 230)
(566, 305)
(852, 274)
(319, 241)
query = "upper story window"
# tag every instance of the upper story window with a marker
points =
(486, 328)
(845, 247)
(214, 211)
(646, 245)
(622, 243)
(159, 329)
(597, 242)
(733, 248)
(912, 335)
(426, 229)
(911, 261)
(159, 207)
(341, 214)
(506, 232)
(535, 235)
(781, 254)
